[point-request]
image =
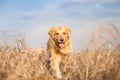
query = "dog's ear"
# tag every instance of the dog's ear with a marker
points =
(51, 31)
(67, 29)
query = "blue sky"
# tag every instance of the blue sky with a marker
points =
(36, 17)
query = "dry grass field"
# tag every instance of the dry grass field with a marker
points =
(99, 62)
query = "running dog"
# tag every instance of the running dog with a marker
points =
(59, 46)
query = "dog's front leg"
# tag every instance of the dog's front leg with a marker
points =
(55, 63)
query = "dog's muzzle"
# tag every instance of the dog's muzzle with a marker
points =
(61, 43)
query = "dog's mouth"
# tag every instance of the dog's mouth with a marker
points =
(61, 44)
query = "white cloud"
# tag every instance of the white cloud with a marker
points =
(26, 14)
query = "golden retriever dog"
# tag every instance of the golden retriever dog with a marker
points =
(59, 46)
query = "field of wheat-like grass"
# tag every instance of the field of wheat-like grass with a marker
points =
(101, 61)
(33, 65)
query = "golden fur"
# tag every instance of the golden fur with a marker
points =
(59, 46)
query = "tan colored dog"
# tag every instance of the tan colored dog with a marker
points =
(60, 47)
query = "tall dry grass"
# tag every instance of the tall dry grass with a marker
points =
(99, 62)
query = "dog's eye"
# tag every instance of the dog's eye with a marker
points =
(57, 33)
(64, 33)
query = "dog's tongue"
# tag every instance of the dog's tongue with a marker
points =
(61, 45)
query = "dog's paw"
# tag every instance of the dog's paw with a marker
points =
(59, 76)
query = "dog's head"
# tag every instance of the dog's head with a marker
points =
(60, 35)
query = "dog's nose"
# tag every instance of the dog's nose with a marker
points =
(61, 40)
